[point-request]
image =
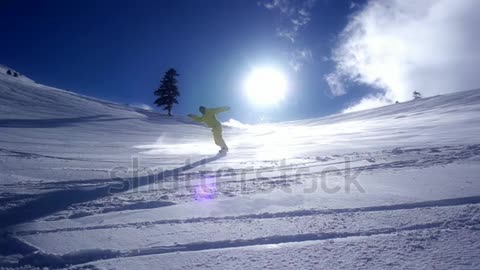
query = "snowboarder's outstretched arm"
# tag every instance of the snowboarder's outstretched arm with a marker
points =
(220, 109)
(196, 117)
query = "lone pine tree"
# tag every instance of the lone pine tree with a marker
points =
(168, 91)
(417, 95)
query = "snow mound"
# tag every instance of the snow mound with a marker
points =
(10, 73)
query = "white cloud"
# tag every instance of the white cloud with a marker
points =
(299, 57)
(335, 83)
(431, 46)
(296, 15)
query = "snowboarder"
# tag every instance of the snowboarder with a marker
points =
(208, 117)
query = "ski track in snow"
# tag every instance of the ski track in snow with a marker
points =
(299, 213)
(464, 217)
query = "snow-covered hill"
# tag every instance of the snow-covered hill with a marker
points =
(9, 73)
(92, 184)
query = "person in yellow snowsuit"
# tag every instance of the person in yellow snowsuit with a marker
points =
(208, 117)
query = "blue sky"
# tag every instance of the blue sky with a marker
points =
(119, 50)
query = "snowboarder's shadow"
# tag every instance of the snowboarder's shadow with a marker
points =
(52, 202)
(134, 183)
(199, 163)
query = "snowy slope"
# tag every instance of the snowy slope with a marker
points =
(9, 73)
(99, 185)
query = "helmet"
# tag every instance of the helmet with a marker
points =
(202, 109)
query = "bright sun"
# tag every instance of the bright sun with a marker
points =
(266, 86)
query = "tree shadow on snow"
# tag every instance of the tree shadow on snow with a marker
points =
(52, 202)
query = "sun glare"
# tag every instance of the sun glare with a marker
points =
(266, 86)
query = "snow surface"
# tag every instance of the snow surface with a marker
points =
(19, 77)
(91, 184)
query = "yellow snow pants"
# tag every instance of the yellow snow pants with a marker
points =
(217, 136)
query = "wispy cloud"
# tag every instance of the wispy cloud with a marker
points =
(404, 45)
(296, 14)
(335, 83)
(353, 5)
(298, 57)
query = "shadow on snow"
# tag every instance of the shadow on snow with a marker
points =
(56, 201)
(54, 122)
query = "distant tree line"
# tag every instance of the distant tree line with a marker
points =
(417, 95)
(12, 73)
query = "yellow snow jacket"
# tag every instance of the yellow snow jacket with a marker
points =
(209, 116)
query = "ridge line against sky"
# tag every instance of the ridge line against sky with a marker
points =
(339, 56)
